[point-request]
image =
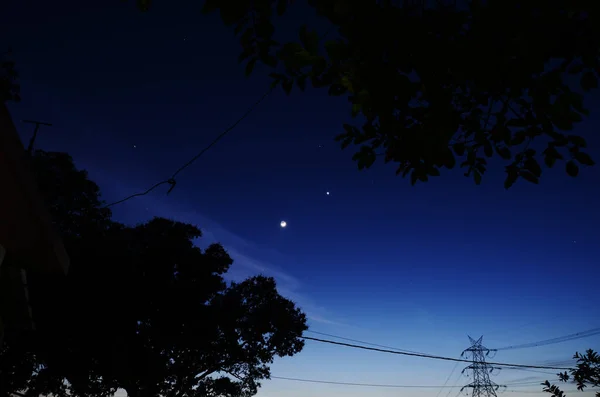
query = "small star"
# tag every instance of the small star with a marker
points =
(320, 146)
(327, 193)
(574, 241)
(134, 146)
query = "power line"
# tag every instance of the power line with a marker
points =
(428, 355)
(447, 379)
(532, 370)
(363, 342)
(560, 339)
(330, 382)
(541, 391)
(572, 361)
(455, 383)
(530, 383)
(356, 384)
(171, 181)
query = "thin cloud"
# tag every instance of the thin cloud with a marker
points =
(249, 258)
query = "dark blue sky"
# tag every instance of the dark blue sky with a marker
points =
(132, 96)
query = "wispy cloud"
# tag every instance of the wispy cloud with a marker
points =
(249, 258)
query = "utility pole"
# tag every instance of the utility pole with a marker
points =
(481, 385)
(35, 131)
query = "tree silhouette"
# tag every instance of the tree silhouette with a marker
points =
(439, 83)
(586, 374)
(9, 89)
(142, 309)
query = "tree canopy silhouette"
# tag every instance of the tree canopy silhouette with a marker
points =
(142, 308)
(436, 84)
(9, 88)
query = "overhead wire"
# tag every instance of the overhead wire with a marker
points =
(383, 385)
(362, 342)
(531, 370)
(394, 350)
(447, 379)
(172, 181)
(591, 389)
(560, 339)
(430, 356)
(455, 383)
(356, 384)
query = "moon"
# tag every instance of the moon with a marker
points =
(283, 224)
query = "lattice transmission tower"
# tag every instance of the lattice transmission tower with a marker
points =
(481, 384)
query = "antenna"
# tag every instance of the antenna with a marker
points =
(35, 131)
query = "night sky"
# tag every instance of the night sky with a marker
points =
(132, 96)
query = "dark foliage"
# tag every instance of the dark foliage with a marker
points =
(142, 309)
(440, 83)
(586, 374)
(9, 89)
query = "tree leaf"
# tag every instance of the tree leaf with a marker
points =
(517, 122)
(301, 82)
(365, 157)
(577, 141)
(209, 6)
(528, 176)
(477, 177)
(584, 158)
(459, 149)
(143, 5)
(575, 68)
(572, 168)
(287, 86)
(310, 40)
(281, 6)
(504, 152)
(269, 60)
(413, 177)
(250, 66)
(336, 50)
(512, 174)
(562, 122)
(488, 150)
(449, 160)
(518, 138)
(589, 81)
(433, 171)
(532, 165)
(576, 100)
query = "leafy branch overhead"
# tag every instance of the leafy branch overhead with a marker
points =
(441, 86)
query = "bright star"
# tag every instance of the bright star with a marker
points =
(283, 224)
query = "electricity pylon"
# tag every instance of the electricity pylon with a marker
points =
(481, 385)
